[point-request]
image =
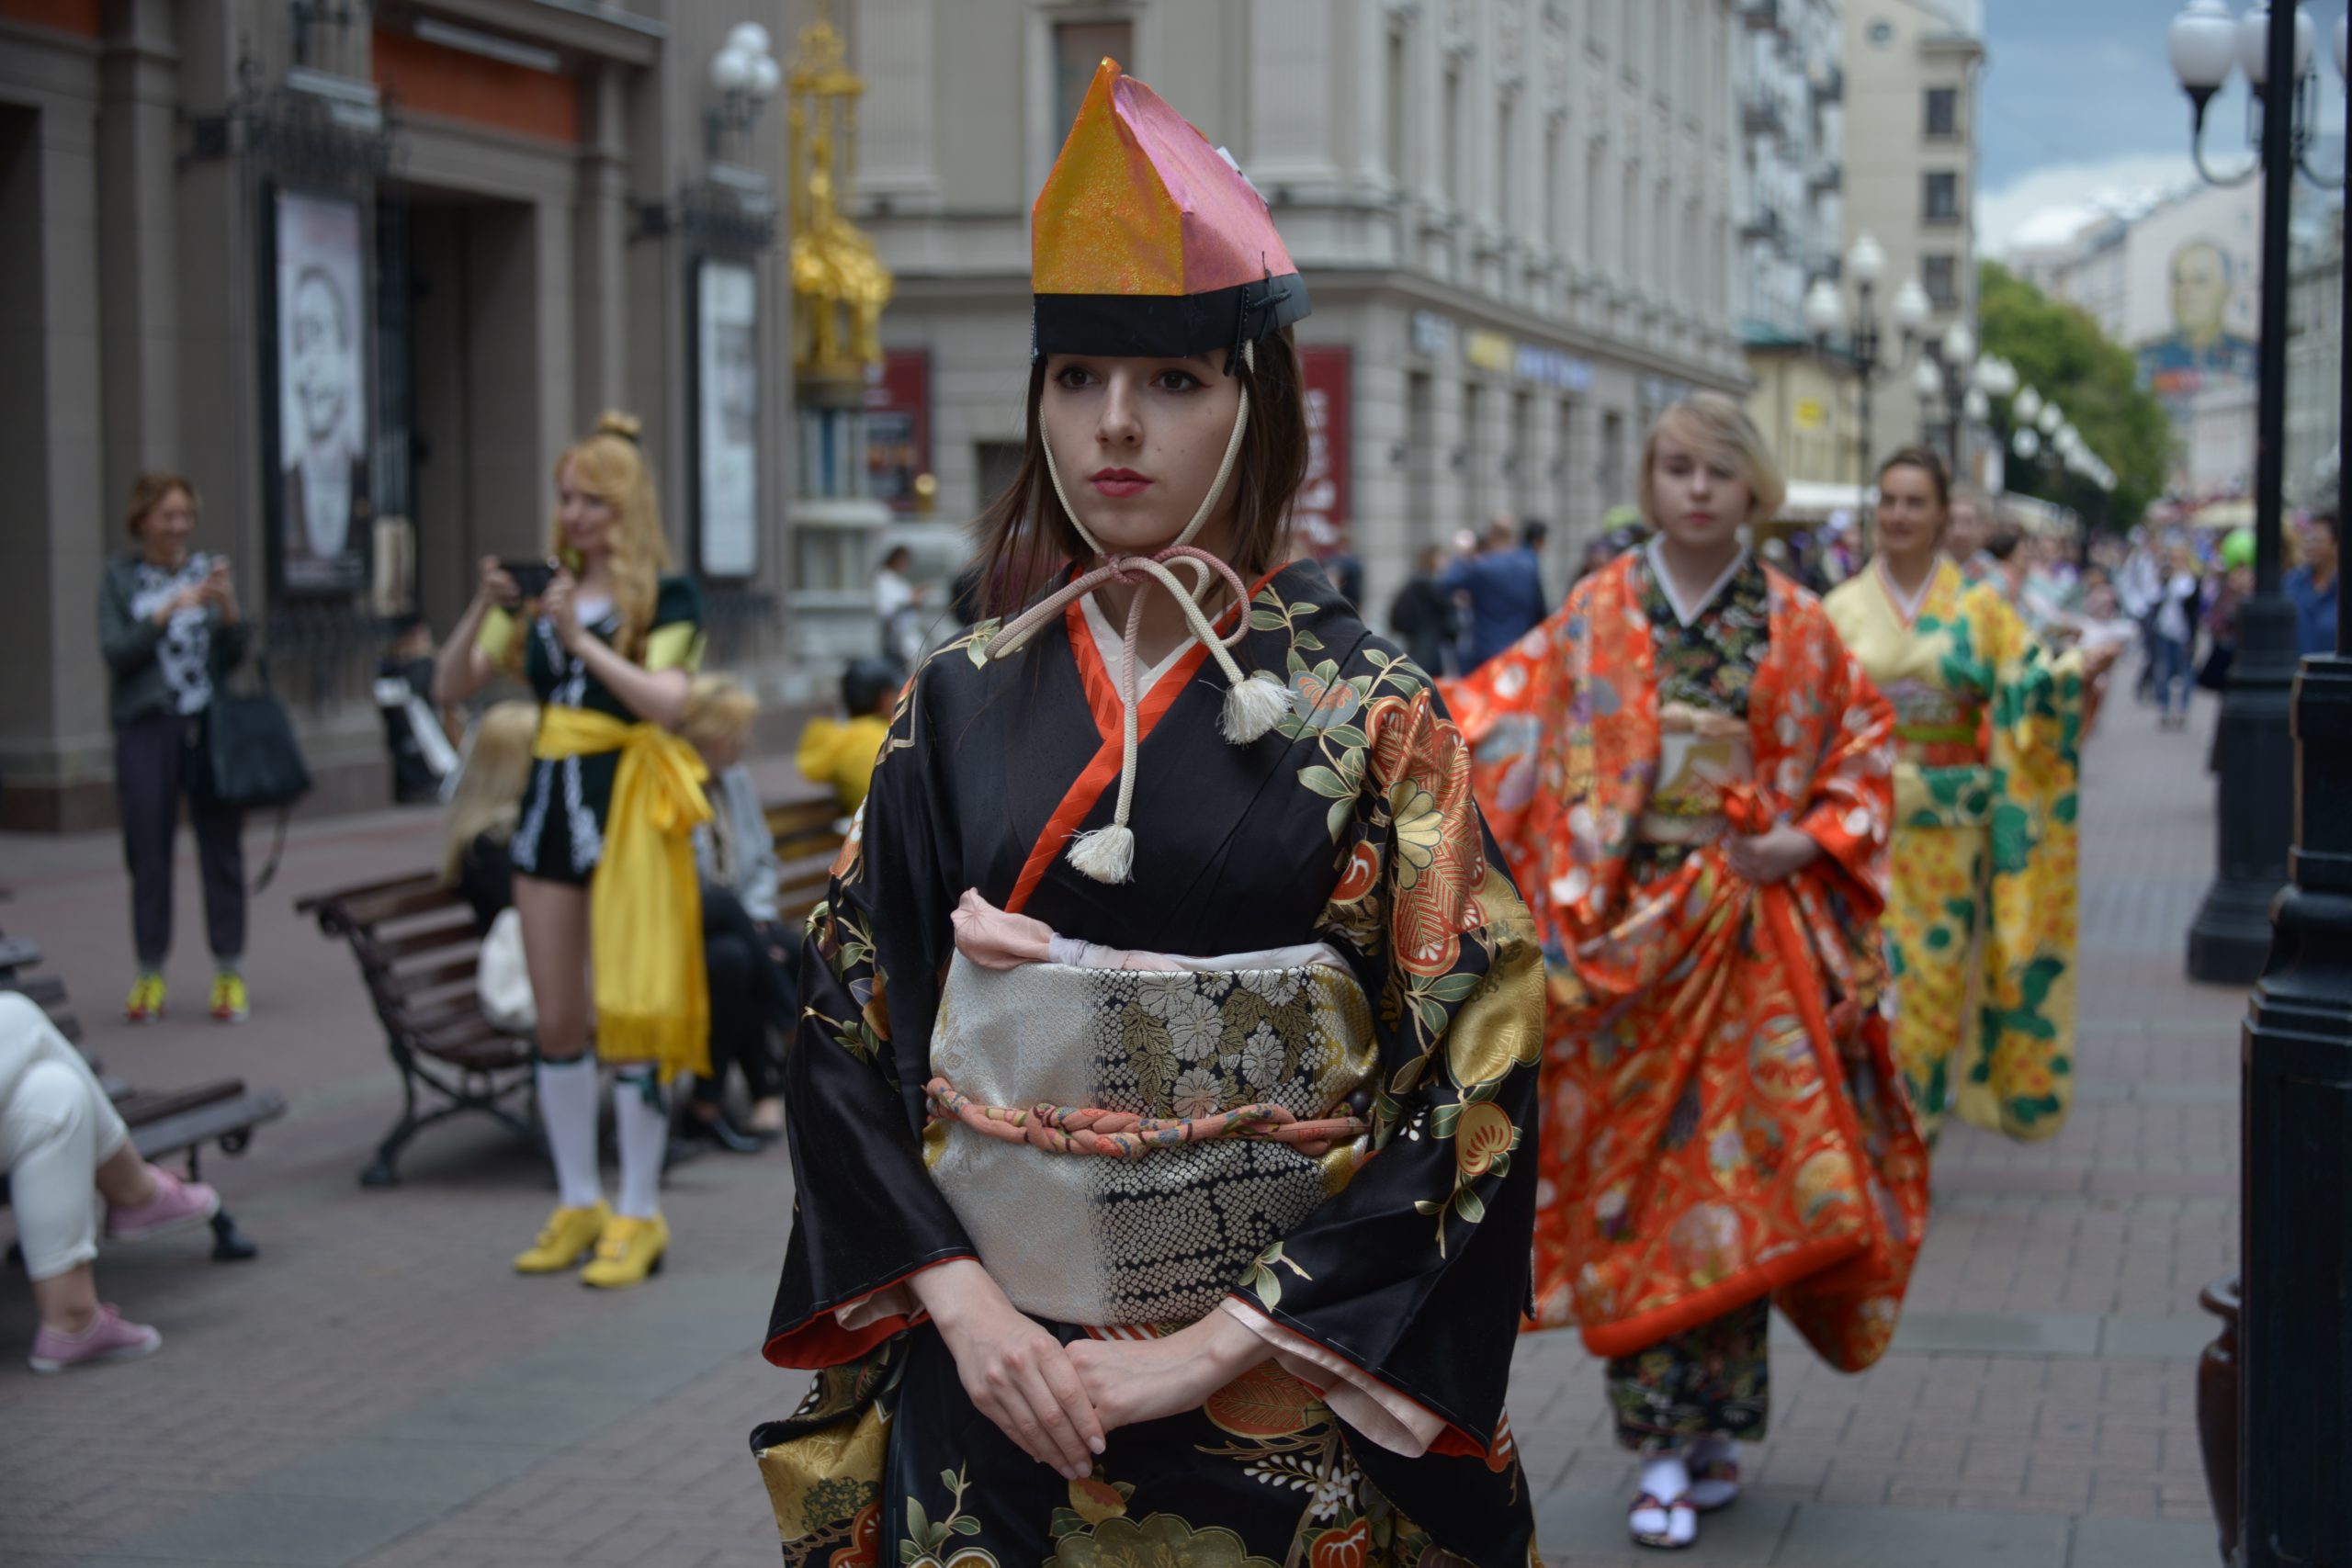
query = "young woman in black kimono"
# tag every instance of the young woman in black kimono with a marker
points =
(1171, 1026)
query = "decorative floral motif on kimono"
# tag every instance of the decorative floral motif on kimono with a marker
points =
(1981, 919)
(1714, 1379)
(1721, 1119)
(1355, 823)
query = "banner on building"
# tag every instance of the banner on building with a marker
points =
(1320, 513)
(325, 525)
(898, 431)
(727, 405)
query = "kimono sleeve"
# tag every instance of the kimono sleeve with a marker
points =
(674, 640)
(1505, 710)
(1850, 810)
(1399, 1298)
(865, 1214)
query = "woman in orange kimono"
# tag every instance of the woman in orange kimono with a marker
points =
(1692, 780)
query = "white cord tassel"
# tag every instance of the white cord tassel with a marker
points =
(1253, 707)
(1106, 854)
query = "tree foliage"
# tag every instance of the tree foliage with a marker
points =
(2058, 349)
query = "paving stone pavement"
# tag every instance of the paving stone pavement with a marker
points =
(378, 1390)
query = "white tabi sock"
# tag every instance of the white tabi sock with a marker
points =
(568, 1112)
(643, 1131)
(1666, 1477)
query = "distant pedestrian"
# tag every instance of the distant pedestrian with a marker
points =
(171, 630)
(840, 752)
(897, 607)
(1424, 617)
(1534, 534)
(748, 954)
(1504, 593)
(61, 1137)
(2313, 587)
(2175, 627)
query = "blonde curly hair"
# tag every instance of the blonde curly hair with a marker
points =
(610, 465)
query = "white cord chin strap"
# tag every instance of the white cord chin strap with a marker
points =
(1253, 703)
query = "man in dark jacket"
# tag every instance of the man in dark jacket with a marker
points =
(1505, 587)
(1424, 617)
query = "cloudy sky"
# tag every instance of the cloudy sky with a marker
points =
(2079, 103)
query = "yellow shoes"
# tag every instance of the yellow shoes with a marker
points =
(146, 1003)
(629, 1250)
(568, 1234)
(229, 1003)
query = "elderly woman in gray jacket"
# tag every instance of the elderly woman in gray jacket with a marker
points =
(170, 629)
(754, 1000)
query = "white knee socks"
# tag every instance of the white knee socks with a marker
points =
(568, 1112)
(642, 1121)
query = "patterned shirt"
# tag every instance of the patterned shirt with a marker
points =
(183, 653)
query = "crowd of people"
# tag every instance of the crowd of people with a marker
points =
(1222, 1020)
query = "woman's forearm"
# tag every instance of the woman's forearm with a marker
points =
(656, 696)
(456, 674)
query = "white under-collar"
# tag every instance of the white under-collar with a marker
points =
(1686, 614)
(1112, 645)
(1908, 606)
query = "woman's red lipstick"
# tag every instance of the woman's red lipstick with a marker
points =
(1119, 482)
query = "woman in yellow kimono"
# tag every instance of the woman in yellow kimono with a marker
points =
(1980, 921)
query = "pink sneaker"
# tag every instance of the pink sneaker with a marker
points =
(175, 1206)
(109, 1339)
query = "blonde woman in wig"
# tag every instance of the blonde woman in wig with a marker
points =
(1688, 773)
(603, 860)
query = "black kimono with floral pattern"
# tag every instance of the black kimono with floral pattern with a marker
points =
(1354, 824)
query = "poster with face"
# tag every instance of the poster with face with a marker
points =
(727, 309)
(2201, 351)
(324, 525)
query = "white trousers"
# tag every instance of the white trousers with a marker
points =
(56, 1128)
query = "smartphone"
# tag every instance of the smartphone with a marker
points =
(531, 577)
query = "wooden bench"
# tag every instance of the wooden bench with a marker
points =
(162, 1121)
(417, 950)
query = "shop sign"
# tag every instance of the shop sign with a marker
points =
(1432, 333)
(898, 431)
(1810, 414)
(1320, 513)
(1489, 350)
(1554, 367)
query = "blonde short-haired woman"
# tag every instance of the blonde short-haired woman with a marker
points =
(1688, 774)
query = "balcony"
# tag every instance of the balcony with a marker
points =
(1763, 16)
(1764, 224)
(1826, 176)
(1829, 87)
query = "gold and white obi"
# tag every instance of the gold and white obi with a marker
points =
(1159, 1238)
(1701, 754)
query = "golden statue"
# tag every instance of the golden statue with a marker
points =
(836, 277)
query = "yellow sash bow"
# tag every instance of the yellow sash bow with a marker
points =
(645, 906)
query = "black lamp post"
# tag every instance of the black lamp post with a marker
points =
(2230, 937)
(1824, 312)
(2295, 1337)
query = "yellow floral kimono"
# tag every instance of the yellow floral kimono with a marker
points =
(1981, 921)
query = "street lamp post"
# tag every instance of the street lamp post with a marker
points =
(2295, 1331)
(2230, 936)
(1824, 312)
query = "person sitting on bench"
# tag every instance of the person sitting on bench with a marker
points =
(58, 1136)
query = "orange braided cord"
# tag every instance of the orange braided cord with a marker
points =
(1122, 1135)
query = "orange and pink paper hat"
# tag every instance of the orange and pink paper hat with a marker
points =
(1147, 241)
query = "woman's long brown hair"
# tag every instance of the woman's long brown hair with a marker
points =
(1024, 536)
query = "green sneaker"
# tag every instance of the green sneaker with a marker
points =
(229, 1001)
(146, 1003)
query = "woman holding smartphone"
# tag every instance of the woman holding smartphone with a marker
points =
(603, 861)
(170, 629)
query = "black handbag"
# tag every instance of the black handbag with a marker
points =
(250, 760)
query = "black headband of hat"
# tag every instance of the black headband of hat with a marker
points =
(1139, 326)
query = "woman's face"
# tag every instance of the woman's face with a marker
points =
(1698, 501)
(1137, 443)
(163, 532)
(585, 517)
(1910, 519)
(321, 350)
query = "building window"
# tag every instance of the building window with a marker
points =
(1596, 193)
(1944, 112)
(1507, 163)
(1400, 107)
(1556, 195)
(1940, 198)
(1452, 131)
(1078, 49)
(996, 464)
(1942, 276)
